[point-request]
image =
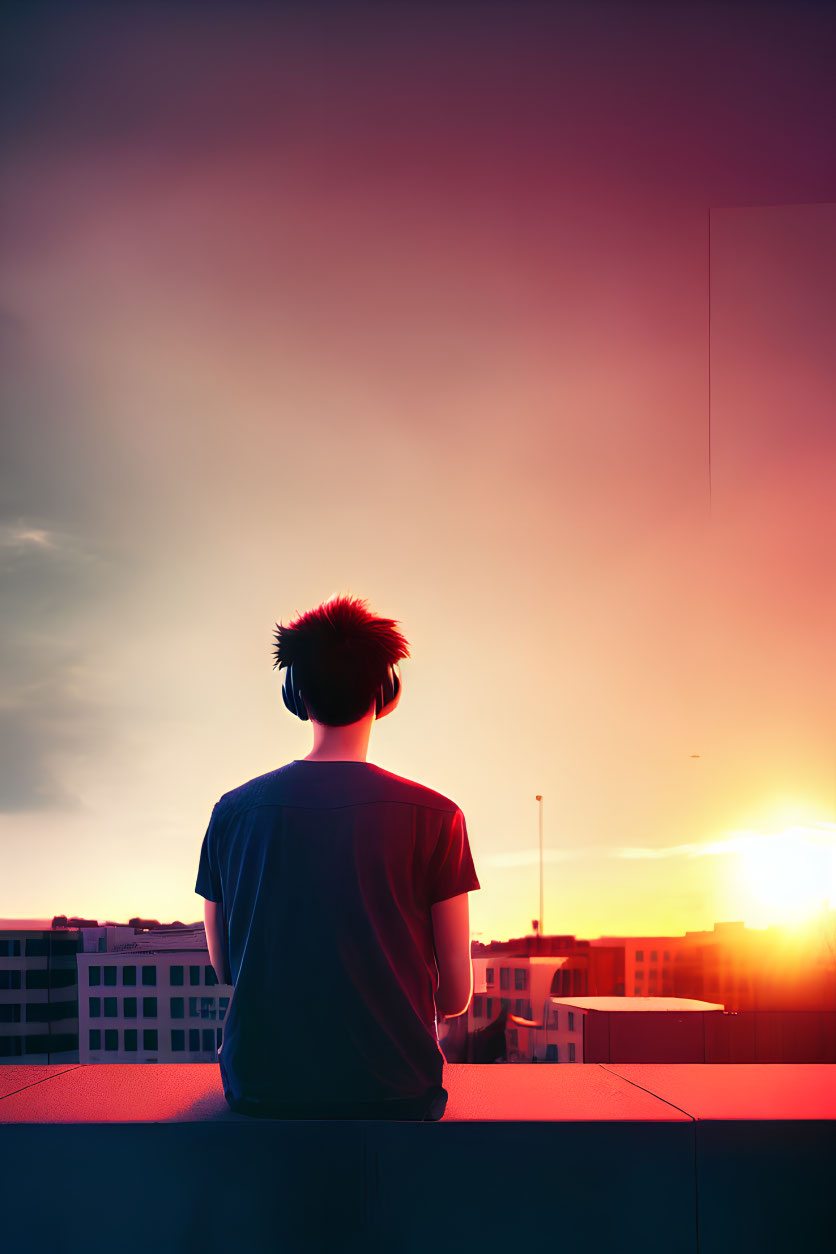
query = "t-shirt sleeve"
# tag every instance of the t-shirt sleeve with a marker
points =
(450, 871)
(208, 877)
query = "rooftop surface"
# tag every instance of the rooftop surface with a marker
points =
(525, 1092)
(638, 1003)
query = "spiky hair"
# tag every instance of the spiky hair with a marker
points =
(340, 652)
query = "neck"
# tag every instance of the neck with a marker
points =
(341, 744)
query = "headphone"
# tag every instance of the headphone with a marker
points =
(292, 695)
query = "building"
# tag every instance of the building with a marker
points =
(84, 992)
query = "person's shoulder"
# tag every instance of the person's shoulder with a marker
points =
(412, 792)
(248, 794)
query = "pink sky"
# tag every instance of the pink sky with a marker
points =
(416, 307)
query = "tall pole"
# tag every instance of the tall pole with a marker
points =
(540, 924)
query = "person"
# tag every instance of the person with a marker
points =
(337, 898)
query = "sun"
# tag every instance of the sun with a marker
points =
(790, 874)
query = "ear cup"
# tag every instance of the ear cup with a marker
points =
(388, 690)
(291, 696)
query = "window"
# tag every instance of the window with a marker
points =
(10, 1013)
(176, 975)
(129, 975)
(149, 976)
(9, 979)
(571, 1021)
(555, 1018)
(178, 1039)
(639, 974)
(95, 1007)
(149, 1038)
(220, 1039)
(129, 1008)
(209, 974)
(504, 977)
(178, 1008)
(528, 1014)
(95, 1038)
(110, 975)
(110, 1008)
(512, 1037)
(223, 1003)
(34, 979)
(194, 1040)
(111, 1038)
(654, 955)
(94, 975)
(489, 974)
(489, 1011)
(552, 1054)
(639, 955)
(194, 1012)
(519, 1005)
(9, 948)
(208, 1039)
(571, 1051)
(149, 1008)
(477, 1007)
(519, 977)
(637, 992)
(130, 1040)
(207, 1007)
(667, 955)
(505, 1003)
(194, 975)
(35, 948)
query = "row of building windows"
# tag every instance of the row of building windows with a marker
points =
(520, 977)
(522, 1008)
(39, 947)
(654, 955)
(50, 1012)
(40, 977)
(39, 1011)
(199, 1007)
(211, 1039)
(653, 974)
(553, 1052)
(176, 975)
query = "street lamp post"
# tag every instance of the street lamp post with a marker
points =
(539, 799)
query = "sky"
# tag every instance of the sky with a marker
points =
(517, 324)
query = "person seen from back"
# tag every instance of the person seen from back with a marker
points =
(337, 898)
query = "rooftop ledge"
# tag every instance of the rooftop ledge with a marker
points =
(646, 1157)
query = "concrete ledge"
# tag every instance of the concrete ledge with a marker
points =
(651, 1158)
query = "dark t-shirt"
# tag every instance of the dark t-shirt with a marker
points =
(326, 872)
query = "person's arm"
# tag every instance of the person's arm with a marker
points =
(451, 941)
(213, 918)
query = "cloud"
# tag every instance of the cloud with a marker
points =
(19, 537)
(48, 581)
(736, 842)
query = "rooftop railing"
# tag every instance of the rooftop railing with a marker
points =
(653, 1158)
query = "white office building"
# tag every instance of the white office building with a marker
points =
(150, 997)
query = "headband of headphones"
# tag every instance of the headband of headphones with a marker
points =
(292, 693)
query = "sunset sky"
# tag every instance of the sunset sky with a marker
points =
(413, 302)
